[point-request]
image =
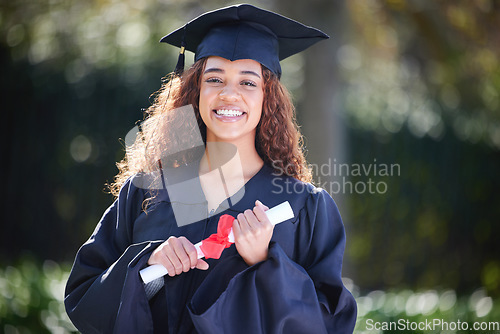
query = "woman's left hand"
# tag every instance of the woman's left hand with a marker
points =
(252, 234)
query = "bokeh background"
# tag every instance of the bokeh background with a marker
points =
(413, 84)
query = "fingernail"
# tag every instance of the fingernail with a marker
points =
(258, 202)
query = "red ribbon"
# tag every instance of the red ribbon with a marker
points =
(213, 246)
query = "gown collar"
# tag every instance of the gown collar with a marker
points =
(183, 185)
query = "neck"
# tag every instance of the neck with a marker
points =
(224, 170)
(237, 158)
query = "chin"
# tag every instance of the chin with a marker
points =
(229, 136)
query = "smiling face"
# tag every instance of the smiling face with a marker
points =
(231, 97)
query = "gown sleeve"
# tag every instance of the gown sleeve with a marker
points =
(280, 295)
(104, 285)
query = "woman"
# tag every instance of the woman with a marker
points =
(281, 280)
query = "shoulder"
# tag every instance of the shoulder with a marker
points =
(138, 188)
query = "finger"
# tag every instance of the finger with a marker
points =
(184, 263)
(242, 222)
(191, 252)
(202, 265)
(236, 225)
(252, 220)
(259, 203)
(168, 265)
(260, 214)
(172, 253)
(166, 254)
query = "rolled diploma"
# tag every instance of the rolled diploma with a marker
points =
(276, 215)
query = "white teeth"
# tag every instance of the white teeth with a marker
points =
(228, 112)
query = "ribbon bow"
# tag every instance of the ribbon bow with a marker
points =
(213, 246)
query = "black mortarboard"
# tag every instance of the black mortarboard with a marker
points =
(244, 32)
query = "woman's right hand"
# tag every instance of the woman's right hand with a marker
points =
(177, 255)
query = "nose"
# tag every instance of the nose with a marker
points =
(229, 93)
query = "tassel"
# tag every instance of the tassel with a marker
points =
(179, 68)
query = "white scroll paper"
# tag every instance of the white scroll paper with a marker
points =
(276, 215)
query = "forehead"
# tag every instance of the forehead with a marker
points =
(240, 65)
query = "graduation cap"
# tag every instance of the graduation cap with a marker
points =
(243, 32)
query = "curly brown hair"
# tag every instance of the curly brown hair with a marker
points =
(278, 140)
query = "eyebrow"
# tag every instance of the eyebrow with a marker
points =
(219, 70)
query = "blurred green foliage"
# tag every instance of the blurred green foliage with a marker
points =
(434, 227)
(427, 311)
(422, 90)
(32, 298)
(430, 65)
(32, 302)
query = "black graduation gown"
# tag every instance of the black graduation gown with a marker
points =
(298, 289)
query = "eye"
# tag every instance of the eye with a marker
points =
(213, 80)
(249, 83)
